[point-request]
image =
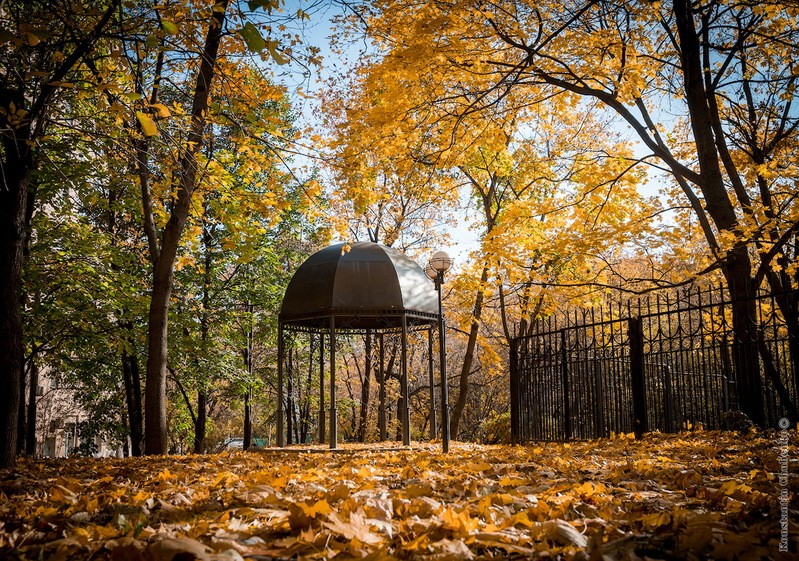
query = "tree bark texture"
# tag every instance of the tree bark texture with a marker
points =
(33, 393)
(131, 377)
(202, 394)
(156, 441)
(248, 365)
(365, 388)
(200, 421)
(738, 266)
(468, 358)
(16, 166)
(247, 443)
(22, 420)
(17, 199)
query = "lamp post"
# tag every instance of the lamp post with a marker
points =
(439, 264)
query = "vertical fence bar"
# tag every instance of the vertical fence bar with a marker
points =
(564, 357)
(617, 358)
(599, 413)
(514, 391)
(638, 383)
(578, 377)
(668, 419)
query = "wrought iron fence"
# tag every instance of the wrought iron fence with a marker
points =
(662, 363)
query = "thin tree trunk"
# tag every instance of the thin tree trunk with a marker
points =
(248, 395)
(22, 416)
(185, 395)
(788, 303)
(365, 389)
(247, 440)
(306, 404)
(468, 358)
(202, 392)
(201, 421)
(132, 381)
(30, 440)
(156, 441)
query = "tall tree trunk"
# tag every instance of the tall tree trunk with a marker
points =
(468, 358)
(22, 416)
(30, 440)
(365, 389)
(305, 413)
(155, 436)
(16, 165)
(738, 267)
(201, 421)
(202, 394)
(787, 300)
(247, 443)
(746, 358)
(386, 374)
(248, 365)
(156, 441)
(132, 380)
(17, 199)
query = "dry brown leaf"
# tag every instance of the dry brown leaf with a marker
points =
(564, 533)
(169, 548)
(356, 528)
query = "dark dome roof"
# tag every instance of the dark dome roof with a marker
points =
(369, 287)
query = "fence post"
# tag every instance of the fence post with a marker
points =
(564, 358)
(514, 391)
(638, 383)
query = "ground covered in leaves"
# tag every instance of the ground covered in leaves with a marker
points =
(698, 495)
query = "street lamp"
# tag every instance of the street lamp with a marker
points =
(439, 264)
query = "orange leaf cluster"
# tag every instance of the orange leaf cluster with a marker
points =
(704, 494)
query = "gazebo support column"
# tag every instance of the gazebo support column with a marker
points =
(381, 414)
(321, 388)
(406, 405)
(333, 407)
(281, 438)
(432, 382)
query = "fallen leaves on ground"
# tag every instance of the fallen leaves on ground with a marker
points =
(696, 495)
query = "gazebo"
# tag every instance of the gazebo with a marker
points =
(361, 287)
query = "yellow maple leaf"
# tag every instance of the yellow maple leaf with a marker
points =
(148, 126)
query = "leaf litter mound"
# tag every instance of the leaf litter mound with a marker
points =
(696, 496)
